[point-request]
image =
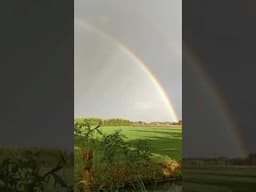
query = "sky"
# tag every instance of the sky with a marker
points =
(224, 45)
(112, 40)
(38, 102)
(37, 97)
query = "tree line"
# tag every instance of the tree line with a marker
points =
(122, 122)
(220, 161)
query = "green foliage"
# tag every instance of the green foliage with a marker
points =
(113, 146)
(105, 122)
(165, 142)
(89, 121)
(122, 122)
(127, 156)
(24, 173)
(116, 122)
(142, 152)
(120, 161)
(45, 156)
(83, 129)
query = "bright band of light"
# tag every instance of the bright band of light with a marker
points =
(232, 128)
(136, 59)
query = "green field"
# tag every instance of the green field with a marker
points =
(165, 143)
(220, 179)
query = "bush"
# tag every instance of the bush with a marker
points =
(26, 173)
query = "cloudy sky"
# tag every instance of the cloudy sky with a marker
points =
(224, 44)
(109, 79)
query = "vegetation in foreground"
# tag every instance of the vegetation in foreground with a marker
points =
(107, 159)
(35, 169)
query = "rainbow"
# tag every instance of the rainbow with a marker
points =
(217, 98)
(136, 59)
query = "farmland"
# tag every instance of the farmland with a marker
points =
(163, 145)
(165, 142)
(220, 179)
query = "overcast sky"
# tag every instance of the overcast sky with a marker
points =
(225, 45)
(108, 82)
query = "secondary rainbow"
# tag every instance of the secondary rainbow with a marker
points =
(86, 25)
(217, 98)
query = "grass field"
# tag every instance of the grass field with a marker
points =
(165, 142)
(222, 179)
